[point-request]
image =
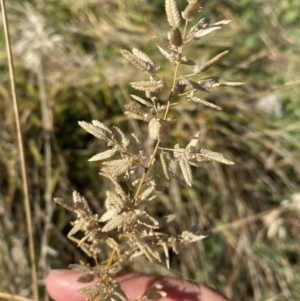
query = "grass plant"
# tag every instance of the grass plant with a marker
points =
(252, 206)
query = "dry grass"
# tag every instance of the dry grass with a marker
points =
(253, 254)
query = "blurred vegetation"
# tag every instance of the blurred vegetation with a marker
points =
(68, 68)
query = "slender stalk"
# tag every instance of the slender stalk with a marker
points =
(47, 129)
(137, 193)
(7, 296)
(21, 152)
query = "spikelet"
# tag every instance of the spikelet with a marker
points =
(185, 60)
(152, 86)
(210, 155)
(184, 164)
(140, 60)
(204, 102)
(104, 155)
(193, 8)
(158, 129)
(210, 63)
(137, 111)
(165, 165)
(155, 292)
(203, 27)
(175, 37)
(117, 167)
(172, 13)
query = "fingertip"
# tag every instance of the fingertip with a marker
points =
(62, 285)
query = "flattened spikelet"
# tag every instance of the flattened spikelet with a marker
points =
(187, 61)
(169, 55)
(119, 137)
(203, 27)
(145, 194)
(104, 155)
(209, 82)
(158, 129)
(152, 86)
(92, 291)
(117, 167)
(175, 37)
(210, 155)
(189, 237)
(136, 111)
(114, 223)
(113, 200)
(204, 102)
(86, 278)
(135, 147)
(141, 55)
(172, 13)
(69, 205)
(142, 101)
(193, 8)
(194, 141)
(210, 63)
(198, 86)
(165, 165)
(82, 267)
(81, 203)
(224, 84)
(109, 214)
(140, 60)
(186, 170)
(155, 292)
(97, 129)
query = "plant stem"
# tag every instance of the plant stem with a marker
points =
(21, 153)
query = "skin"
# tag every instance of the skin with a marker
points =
(62, 286)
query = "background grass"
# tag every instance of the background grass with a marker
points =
(68, 68)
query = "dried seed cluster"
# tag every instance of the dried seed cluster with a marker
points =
(125, 226)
